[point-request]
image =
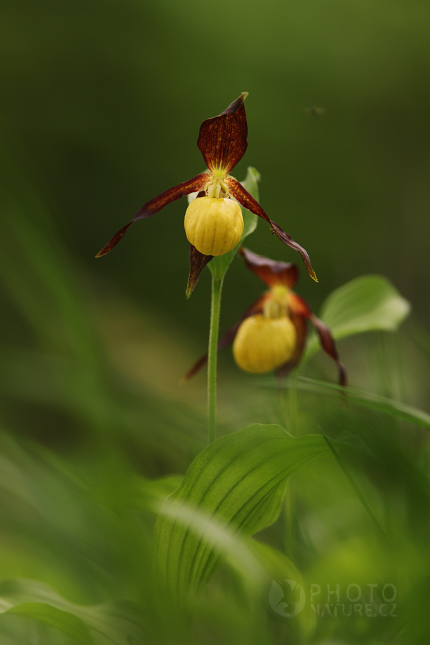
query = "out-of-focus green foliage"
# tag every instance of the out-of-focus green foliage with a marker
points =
(100, 108)
(102, 103)
(114, 623)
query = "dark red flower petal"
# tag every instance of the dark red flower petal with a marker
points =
(299, 323)
(198, 261)
(298, 306)
(229, 336)
(270, 272)
(222, 139)
(156, 204)
(114, 241)
(329, 346)
(247, 201)
(195, 368)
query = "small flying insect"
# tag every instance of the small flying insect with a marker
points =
(316, 111)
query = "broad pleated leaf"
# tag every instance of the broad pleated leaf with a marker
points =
(368, 303)
(237, 482)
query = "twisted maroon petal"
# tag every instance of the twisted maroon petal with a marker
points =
(222, 139)
(298, 306)
(156, 204)
(329, 346)
(114, 241)
(270, 272)
(247, 201)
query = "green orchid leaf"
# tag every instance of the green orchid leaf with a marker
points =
(237, 484)
(113, 623)
(220, 264)
(368, 303)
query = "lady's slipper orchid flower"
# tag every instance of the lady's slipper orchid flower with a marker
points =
(271, 334)
(213, 222)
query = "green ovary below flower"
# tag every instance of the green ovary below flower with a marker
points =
(213, 226)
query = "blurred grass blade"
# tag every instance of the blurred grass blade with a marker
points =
(356, 489)
(239, 482)
(35, 266)
(368, 303)
(44, 289)
(62, 620)
(135, 492)
(116, 623)
(366, 399)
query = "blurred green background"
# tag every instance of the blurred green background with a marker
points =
(100, 107)
(102, 102)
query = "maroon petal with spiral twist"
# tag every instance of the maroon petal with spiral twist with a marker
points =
(329, 346)
(247, 201)
(156, 204)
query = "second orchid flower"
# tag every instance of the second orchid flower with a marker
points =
(271, 334)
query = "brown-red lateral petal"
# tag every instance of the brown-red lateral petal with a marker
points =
(298, 306)
(270, 272)
(247, 201)
(222, 139)
(329, 346)
(198, 261)
(156, 204)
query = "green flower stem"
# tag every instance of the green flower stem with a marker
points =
(212, 354)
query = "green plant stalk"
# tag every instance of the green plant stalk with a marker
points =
(212, 354)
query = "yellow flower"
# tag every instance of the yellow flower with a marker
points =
(213, 226)
(213, 222)
(271, 334)
(263, 344)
